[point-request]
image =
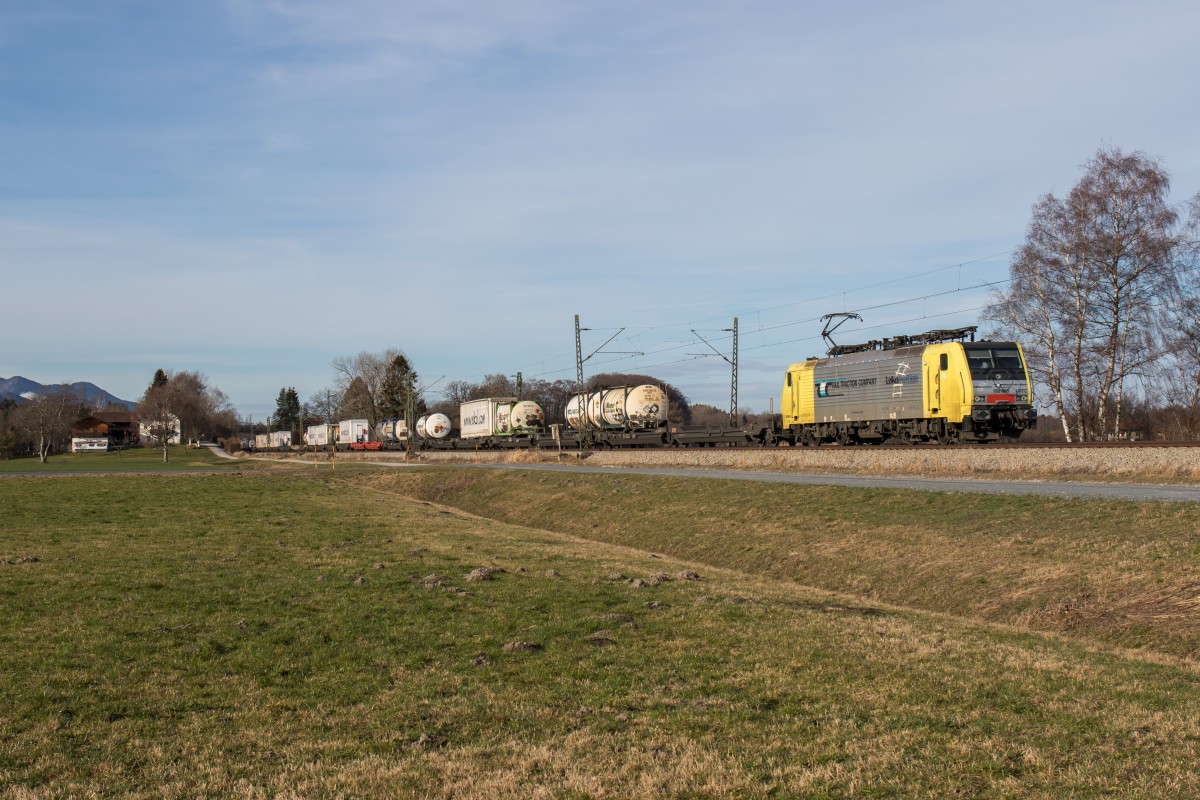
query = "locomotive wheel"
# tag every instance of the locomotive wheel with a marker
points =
(945, 433)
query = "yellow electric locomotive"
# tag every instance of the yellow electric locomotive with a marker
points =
(933, 387)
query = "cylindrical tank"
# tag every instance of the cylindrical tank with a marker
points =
(391, 430)
(593, 408)
(502, 418)
(642, 406)
(526, 414)
(434, 426)
(572, 411)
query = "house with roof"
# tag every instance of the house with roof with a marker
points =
(120, 428)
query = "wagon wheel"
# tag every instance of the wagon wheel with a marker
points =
(842, 437)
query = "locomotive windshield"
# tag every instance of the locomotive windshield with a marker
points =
(995, 361)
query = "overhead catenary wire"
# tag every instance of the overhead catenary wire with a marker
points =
(763, 329)
(544, 368)
(688, 341)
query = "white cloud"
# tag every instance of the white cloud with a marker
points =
(428, 174)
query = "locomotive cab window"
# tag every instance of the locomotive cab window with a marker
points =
(996, 361)
(944, 362)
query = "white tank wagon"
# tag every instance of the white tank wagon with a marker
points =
(621, 407)
(262, 441)
(392, 429)
(433, 426)
(526, 416)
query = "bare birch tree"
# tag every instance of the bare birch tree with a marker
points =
(1176, 379)
(1087, 287)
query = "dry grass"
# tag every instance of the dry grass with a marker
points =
(226, 648)
(1118, 573)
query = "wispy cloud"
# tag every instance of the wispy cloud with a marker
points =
(330, 177)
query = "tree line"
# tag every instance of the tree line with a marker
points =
(175, 404)
(1105, 296)
(378, 386)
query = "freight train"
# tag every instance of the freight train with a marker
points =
(940, 386)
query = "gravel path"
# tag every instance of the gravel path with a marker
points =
(1093, 491)
(1166, 474)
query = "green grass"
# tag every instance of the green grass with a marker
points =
(209, 636)
(1118, 573)
(132, 460)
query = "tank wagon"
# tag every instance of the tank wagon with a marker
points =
(433, 426)
(392, 430)
(920, 388)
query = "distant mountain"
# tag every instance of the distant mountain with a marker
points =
(18, 389)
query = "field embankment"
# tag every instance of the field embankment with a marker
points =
(1121, 574)
(1126, 464)
(288, 633)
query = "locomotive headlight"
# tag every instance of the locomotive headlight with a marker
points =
(1021, 398)
(979, 398)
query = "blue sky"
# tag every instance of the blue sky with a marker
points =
(253, 188)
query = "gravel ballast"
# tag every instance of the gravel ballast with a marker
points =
(1160, 464)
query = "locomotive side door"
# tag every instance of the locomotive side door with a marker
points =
(937, 364)
(789, 402)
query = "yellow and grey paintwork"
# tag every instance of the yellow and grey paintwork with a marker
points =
(920, 382)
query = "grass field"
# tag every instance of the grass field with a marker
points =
(1118, 573)
(306, 633)
(133, 459)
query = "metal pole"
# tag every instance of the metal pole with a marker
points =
(583, 420)
(733, 403)
(410, 411)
